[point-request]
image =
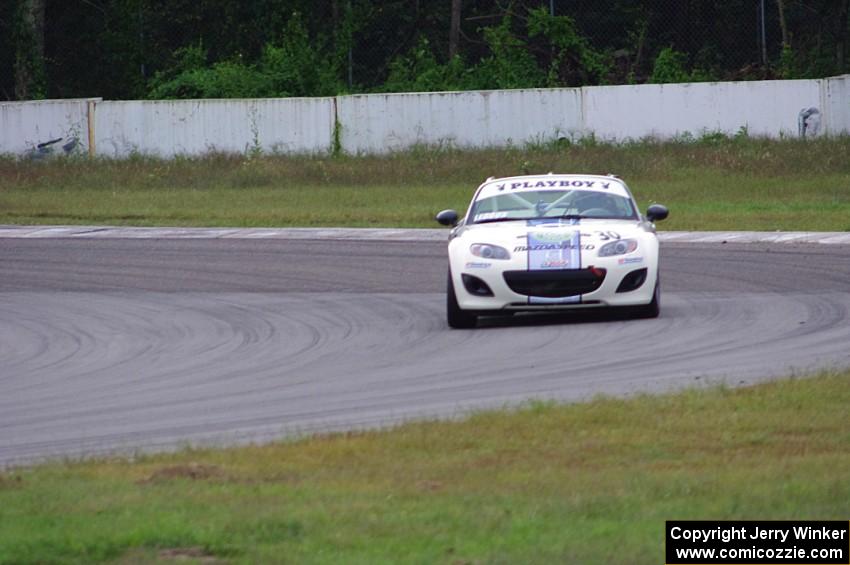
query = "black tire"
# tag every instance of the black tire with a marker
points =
(456, 317)
(651, 310)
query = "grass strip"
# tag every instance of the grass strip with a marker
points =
(712, 183)
(581, 483)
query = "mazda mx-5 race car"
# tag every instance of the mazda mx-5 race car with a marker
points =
(549, 242)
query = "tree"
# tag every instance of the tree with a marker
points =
(30, 80)
(783, 23)
(840, 24)
(454, 29)
(117, 48)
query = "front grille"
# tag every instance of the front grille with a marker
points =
(555, 283)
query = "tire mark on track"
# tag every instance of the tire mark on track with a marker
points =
(212, 354)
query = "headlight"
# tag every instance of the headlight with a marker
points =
(619, 247)
(489, 251)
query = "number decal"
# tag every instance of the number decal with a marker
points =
(607, 235)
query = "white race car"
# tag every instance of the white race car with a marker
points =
(549, 242)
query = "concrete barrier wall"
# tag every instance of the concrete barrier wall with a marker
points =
(762, 108)
(192, 127)
(379, 123)
(23, 125)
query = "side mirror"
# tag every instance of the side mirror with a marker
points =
(656, 212)
(447, 217)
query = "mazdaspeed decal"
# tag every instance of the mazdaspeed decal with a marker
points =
(551, 246)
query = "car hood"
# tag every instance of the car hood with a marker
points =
(588, 233)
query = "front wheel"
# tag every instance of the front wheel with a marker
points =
(457, 317)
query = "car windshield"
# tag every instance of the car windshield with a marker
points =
(534, 204)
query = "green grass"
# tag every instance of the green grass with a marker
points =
(583, 483)
(715, 183)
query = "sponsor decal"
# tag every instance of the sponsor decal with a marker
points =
(630, 260)
(473, 265)
(552, 237)
(546, 252)
(489, 216)
(555, 184)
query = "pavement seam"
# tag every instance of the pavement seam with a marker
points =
(367, 234)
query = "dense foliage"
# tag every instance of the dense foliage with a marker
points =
(124, 49)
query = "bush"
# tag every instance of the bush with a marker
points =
(292, 68)
(511, 65)
(670, 66)
(419, 71)
(574, 62)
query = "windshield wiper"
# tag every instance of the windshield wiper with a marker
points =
(491, 220)
(592, 217)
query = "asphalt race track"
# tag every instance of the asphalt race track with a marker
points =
(117, 345)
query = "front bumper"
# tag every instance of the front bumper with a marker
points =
(607, 284)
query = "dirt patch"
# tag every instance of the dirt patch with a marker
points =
(288, 477)
(429, 486)
(10, 482)
(192, 472)
(196, 554)
(143, 556)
